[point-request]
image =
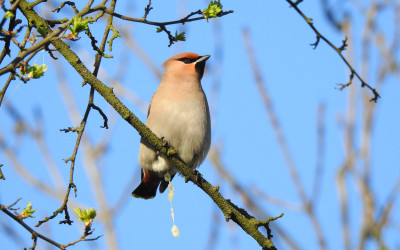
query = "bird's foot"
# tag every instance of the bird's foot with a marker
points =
(165, 142)
(197, 174)
(170, 150)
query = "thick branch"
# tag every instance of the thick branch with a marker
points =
(248, 223)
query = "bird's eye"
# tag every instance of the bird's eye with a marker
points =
(185, 60)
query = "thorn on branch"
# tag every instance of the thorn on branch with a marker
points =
(147, 10)
(316, 42)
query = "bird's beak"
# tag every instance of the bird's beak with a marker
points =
(203, 58)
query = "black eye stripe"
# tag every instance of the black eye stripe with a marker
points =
(187, 60)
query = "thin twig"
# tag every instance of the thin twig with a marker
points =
(308, 206)
(3, 91)
(242, 218)
(336, 49)
(147, 10)
(180, 21)
(320, 153)
(35, 234)
(249, 200)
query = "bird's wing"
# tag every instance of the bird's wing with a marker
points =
(148, 110)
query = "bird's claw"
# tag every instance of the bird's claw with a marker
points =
(197, 174)
(165, 142)
(167, 146)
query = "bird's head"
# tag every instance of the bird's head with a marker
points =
(185, 66)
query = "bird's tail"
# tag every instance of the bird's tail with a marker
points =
(147, 188)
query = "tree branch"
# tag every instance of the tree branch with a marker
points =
(336, 49)
(248, 223)
(231, 211)
(36, 235)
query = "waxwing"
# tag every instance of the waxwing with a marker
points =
(178, 113)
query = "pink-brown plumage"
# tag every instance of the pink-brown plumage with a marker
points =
(179, 113)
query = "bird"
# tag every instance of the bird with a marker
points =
(179, 114)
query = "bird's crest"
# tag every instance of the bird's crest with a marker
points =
(189, 55)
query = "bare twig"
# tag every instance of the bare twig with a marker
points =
(147, 10)
(180, 21)
(249, 200)
(36, 235)
(3, 91)
(347, 166)
(308, 206)
(338, 50)
(242, 218)
(320, 153)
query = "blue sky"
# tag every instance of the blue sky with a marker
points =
(298, 79)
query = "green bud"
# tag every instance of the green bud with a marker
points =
(85, 215)
(28, 211)
(34, 71)
(214, 7)
(78, 25)
(9, 14)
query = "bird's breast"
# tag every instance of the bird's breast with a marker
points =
(185, 124)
